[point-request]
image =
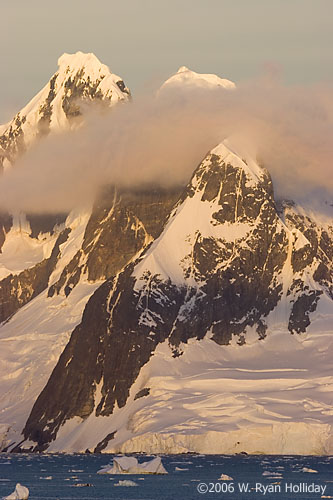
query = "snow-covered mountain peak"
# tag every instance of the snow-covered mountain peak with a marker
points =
(80, 77)
(182, 69)
(90, 67)
(229, 155)
(221, 203)
(79, 60)
(185, 76)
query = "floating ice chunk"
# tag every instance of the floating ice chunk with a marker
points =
(126, 482)
(179, 468)
(307, 469)
(181, 462)
(130, 465)
(225, 477)
(272, 474)
(20, 493)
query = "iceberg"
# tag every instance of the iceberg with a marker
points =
(307, 469)
(225, 477)
(130, 465)
(126, 482)
(271, 474)
(20, 493)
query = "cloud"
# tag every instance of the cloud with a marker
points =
(160, 139)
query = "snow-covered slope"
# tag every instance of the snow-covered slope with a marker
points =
(206, 326)
(269, 397)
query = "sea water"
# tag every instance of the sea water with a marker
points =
(190, 476)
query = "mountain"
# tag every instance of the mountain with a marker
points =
(80, 78)
(193, 319)
(225, 267)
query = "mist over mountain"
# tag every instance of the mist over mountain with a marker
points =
(156, 139)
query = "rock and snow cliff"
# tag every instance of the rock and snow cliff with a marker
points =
(208, 326)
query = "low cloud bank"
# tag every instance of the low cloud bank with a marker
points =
(160, 139)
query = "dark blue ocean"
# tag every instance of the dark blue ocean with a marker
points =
(190, 477)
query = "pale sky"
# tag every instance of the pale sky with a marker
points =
(145, 41)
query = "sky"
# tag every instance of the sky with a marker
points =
(145, 41)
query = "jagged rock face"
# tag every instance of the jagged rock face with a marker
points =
(217, 269)
(121, 225)
(315, 250)
(81, 78)
(18, 290)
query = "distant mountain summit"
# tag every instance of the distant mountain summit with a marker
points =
(80, 78)
(189, 78)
